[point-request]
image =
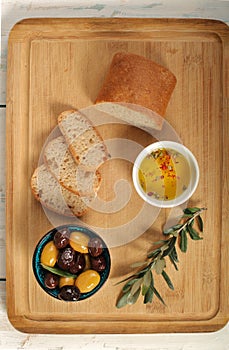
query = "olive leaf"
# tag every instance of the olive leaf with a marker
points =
(185, 216)
(191, 210)
(159, 266)
(158, 295)
(161, 241)
(128, 285)
(149, 296)
(174, 257)
(168, 231)
(171, 230)
(136, 286)
(122, 301)
(193, 233)
(177, 227)
(165, 247)
(142, 272)
(173, 262)
(58, 271)
(173, 254)
(171, 246)
(154, 253)
(132, 298)
(167, 280)
(200, 223)
(183, 241)
(147, 279)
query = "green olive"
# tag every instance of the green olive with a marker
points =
(87, 281)
(87, 262)
(79, 242)
(66, 281)
(49, 254)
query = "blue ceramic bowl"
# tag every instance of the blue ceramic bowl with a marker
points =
(40, 272)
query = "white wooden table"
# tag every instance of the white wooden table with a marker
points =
(13, 11)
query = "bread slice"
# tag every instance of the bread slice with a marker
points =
(136, 115)
(138, 80)
(84, 142)
(70, 175)
(52, 195)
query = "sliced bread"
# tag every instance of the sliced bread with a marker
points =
(70, 175)
(84, 142)
(52, 195)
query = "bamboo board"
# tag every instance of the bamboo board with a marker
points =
(57, 64)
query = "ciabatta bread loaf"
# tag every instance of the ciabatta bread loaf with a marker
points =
(52, 195)
(70, 175)
(84, 142)
(136, 115)
(138, 80)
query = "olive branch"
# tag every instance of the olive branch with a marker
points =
(142, 281)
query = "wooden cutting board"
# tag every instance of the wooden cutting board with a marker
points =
(57, 64)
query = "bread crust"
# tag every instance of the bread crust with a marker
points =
(136, 79)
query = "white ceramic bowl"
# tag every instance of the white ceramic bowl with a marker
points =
(194, 174)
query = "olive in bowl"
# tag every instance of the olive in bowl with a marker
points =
(71, 263)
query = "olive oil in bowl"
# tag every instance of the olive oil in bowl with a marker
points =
(165, 174)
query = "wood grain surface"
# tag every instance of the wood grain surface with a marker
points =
(2, 193)
(56, 64)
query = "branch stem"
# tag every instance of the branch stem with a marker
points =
(191, 219)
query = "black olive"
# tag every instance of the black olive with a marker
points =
(69, 293)
(61, 238)
(98, 263)
(95, 246)
(51, 281)
(66, 258)
(78, 264)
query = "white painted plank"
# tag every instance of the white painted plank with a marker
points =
(12, 339)
(2, 193)
(13, 11)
